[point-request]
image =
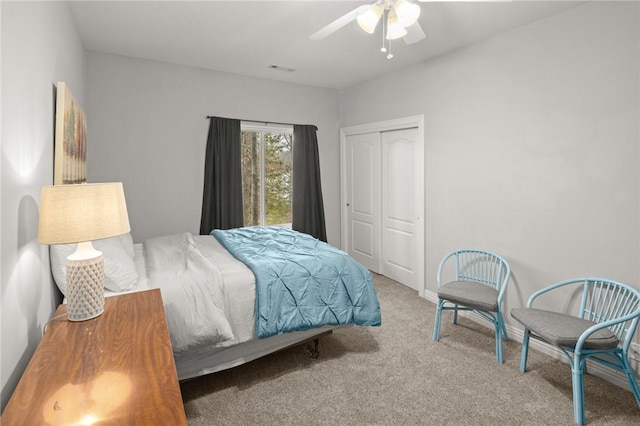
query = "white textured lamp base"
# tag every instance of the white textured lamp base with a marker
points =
(85, 288)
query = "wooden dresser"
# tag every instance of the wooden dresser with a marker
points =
(116, 369)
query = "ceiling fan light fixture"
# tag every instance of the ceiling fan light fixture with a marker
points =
(395, 29)
(407, 13)
(369, 19)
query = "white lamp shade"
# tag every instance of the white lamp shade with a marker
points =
(83, 212)
(369, 19)
(407, 13)
(395, 29)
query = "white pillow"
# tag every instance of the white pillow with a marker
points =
(127, 242)
(119, 267)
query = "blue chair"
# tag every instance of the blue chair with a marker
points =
(601, 331)
(479, 282)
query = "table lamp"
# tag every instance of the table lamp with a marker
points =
(80, 214)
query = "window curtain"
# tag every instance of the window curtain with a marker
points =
(222, 196)
(307, 206)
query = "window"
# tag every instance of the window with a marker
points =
(267, 175)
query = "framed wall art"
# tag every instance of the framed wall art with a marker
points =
(70, 139)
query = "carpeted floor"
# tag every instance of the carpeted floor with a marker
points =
(396, 375)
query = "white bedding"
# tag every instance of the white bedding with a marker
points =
(141, 269)
(193, 292)
(239, 284)
(239, 306)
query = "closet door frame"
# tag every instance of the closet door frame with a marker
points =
(416, 121)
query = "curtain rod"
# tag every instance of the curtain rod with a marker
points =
(259, 121)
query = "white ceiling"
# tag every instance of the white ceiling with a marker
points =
(247, 37)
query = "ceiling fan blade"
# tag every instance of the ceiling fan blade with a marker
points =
(414, 33)
(339, 23)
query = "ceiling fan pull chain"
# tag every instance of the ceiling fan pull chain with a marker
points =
(383, 49)
(389, 55)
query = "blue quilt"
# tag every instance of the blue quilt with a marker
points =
(302, 282)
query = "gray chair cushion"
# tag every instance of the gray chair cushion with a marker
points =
(562, 329)
(470, 293)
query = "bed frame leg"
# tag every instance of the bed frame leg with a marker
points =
(313, 350)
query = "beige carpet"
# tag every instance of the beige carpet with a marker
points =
(397, 375)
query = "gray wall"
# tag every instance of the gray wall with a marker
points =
(147, 128)
(39, 48)
(532, 146)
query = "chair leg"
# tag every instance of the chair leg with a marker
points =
(436, 326)
(632, 379)
(455, 314)
(578, 390)
(498, 328)
(503, 326)
(525, 350)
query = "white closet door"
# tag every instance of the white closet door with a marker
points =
(402, 206)
(382, 208)
(363, 199)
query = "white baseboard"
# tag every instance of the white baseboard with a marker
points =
(430, 296)
(609, 374)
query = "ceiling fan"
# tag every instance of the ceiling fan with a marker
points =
(399, 20)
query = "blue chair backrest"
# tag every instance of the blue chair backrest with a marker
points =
(606, 300)
(480, 266)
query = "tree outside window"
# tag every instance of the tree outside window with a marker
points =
(267, 176)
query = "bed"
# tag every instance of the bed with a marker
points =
(241, 324)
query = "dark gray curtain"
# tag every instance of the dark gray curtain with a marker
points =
(222, 196)
(308, 208)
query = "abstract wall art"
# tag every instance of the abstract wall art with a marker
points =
(70, 139)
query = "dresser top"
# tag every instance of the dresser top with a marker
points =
(117, 368)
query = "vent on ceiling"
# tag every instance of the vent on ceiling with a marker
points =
(280, 68)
